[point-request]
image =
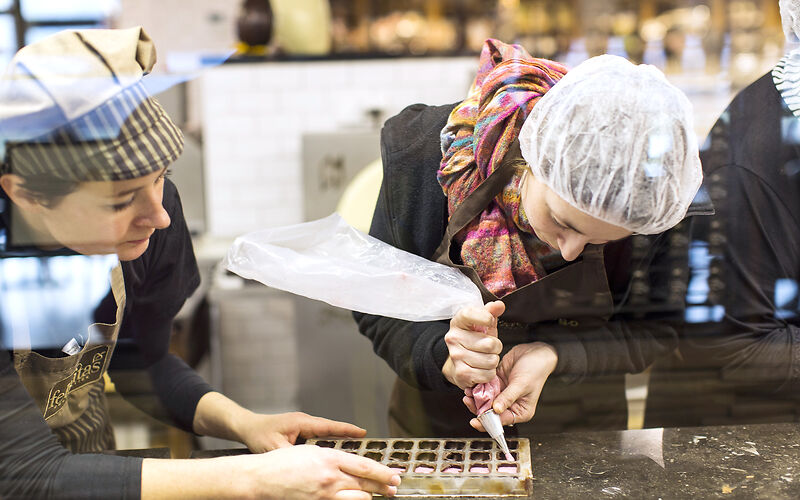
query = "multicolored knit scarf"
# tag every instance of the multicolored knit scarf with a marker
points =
(499, 244)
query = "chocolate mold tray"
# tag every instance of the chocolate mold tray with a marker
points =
(448, 468)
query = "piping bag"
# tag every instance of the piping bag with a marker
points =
(484, 395)
(329, 260)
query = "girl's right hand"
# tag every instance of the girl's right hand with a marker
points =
(311, 472)
(473, 345)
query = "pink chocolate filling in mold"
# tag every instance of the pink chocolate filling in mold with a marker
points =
(480, 469)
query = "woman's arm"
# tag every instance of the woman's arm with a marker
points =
(753, 270)
(298, 472)
(34, 465)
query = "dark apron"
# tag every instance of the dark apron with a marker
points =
(69, 390)
(574, 296)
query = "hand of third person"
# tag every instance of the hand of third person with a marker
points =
(522, 373)
(474, 349)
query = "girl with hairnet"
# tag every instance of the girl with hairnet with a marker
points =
(85, 157)
(740, 341)
(538, 170)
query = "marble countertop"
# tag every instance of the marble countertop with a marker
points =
(753, 461)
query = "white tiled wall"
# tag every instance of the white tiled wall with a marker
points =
(255, 116)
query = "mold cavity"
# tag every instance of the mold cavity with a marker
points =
(513, 445)
(399, 468)
(428, 457)
(453, 469)
(374, 455)
(399, 455)
(326, 444)
(454, 445)
(502, 456)
(424, 468)
(403, 445)
(482, 445)
(507, 468)
(428, 445)
(479, 469)
(480, 455)
(376, 445)
(351, 445)
(454, 456)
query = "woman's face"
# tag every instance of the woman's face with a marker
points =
(562, 226)
(108, 217)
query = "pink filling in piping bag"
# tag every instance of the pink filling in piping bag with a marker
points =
(484, 395)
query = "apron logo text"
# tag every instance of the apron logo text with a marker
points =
(89, 369)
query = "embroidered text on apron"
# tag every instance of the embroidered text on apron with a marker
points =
(69, 390)
(574, 294)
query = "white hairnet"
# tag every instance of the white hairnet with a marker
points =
(616, 141)
(790, 16)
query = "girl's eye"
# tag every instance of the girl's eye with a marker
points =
(122, 206)
(561, 226)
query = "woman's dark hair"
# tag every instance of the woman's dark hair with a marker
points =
(46, 188)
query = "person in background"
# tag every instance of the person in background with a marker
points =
(85, 156)
(539, 170)
(738, 358)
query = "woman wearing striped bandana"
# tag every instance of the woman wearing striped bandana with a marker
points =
(85, 155)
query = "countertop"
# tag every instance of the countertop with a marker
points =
(753, 461)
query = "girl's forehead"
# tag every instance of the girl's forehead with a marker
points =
(117, 188)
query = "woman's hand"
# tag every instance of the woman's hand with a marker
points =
(302, 472)
(218, 416)
(522, 373)
(311, 472)
(473, 345)
(268, 432)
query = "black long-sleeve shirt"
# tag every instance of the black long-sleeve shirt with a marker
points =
(748, 321)
(411, 214)
(33, 464)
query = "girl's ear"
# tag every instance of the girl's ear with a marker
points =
(13, 186)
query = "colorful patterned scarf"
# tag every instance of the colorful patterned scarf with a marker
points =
(500, 243)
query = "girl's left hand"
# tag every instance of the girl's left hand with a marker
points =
(263, 433)
(522, 373)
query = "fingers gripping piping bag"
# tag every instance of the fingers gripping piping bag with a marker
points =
(329, 260)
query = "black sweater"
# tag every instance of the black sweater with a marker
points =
(411, 214)
(750, 250)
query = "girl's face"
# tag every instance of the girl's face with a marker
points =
(562, 226)
(108, 217)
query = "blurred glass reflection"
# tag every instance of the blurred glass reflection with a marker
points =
(50, 299)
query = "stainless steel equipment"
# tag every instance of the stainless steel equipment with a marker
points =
(330, 161)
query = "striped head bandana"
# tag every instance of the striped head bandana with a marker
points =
(499, 244)
(73, 105)
(127, 137)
